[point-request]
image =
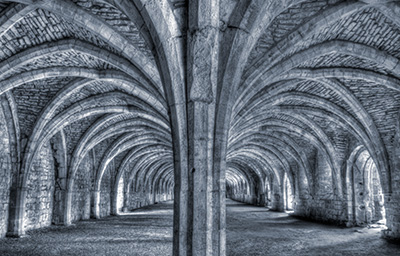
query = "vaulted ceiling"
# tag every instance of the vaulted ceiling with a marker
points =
(322, 76)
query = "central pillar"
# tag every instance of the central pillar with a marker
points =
(199, 176)
(204, 205)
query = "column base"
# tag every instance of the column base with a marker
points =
(16, 235)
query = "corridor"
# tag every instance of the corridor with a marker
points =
(250, 231)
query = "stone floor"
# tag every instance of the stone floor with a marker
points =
(251, 231)
(255, 231)
(147, 231)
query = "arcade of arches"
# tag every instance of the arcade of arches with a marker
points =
(111, 105)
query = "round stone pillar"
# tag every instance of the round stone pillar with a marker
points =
(96, 204)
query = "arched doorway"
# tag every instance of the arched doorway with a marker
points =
(364, 190)
(288, 197)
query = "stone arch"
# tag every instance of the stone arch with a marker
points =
(315, 24)
(290, 129)
(363, 208)
(288, 196)
(140, 150)
(246, 190)
(367, 122)
(66, 117)
(371, 54)
(75, 45)
(145, 167)
(124, 142)
(72, 13)
(12, 15)
(287, 146)
(160, 179)
(252, 164)
(94, 136)
(10, 153)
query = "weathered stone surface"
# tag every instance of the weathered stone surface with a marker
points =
(5, 172)
(110, 106)
(40, 188)
(82, 189)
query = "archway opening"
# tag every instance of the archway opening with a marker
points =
(120, 196)
(367, 197)
(268, 201)
(288, 197)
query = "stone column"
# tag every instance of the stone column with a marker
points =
(58, 146)
(125, 207)
(60, 203)
(198, 180)
(114, 199)
(277, 203)
(114, 194)
(88, 204)
(68, 208)
(96, 204)
(261, 193)
(16, 212)
(204, 190)
(391, 192)
(392, 203)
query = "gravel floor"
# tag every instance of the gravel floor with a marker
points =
(251, 231)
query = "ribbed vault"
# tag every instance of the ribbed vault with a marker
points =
(170, 99)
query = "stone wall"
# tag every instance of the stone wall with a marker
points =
(143, 197)
(139, 199)
(323, 206)
(5, 174)
(239, 193)
(244, 198)
(254, 198)
(327, 210)
(40, 190)
(274, 203)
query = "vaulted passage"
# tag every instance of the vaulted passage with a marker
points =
(250, 231)
(107, 106)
